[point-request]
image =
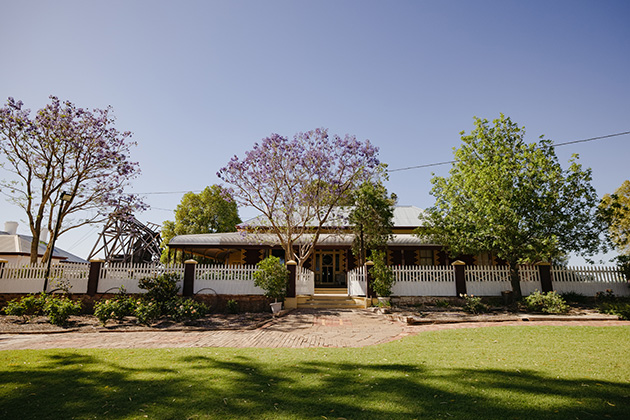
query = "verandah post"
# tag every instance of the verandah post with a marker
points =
(94, 276)
(189, 277)
(2, 263)
(460, 277)
(544, 270)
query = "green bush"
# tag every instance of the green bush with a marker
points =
(473, 304)
(187, 310)
(59, 309)
(383, 276)
(620, 309)
(574, 297)
(160, 289)
(232, 306)
(272, 276)
(147, 312)
(116, 308)
(27, 307)
(551, 303)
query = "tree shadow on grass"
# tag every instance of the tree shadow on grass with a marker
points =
(64, 385)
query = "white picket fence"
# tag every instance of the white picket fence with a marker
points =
(423, 280)
(356, 280)
(116, 275)
(238, 280)
(19, 278)
(589, 280)
(226, 280)
(492, 280)
(304, 282)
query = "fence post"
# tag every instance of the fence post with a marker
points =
(189, 277)
(460, 277)
(369, 291)
(290, 302)
(94, 276)
(544, 270)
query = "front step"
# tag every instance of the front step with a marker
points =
(331, 301)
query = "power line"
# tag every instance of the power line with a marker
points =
(555, 145)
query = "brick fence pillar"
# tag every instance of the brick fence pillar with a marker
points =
(189, 278)
(460, 277)
(94, 276)
(369, 279)
(544, 270)
(292, 286)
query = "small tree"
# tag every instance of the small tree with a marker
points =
(513, 199)
(211, 211)
(371, 218)
(272, 276)
(64, 148)
(297, 184)
(382, 274)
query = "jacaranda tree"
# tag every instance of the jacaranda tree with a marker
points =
(513, 199)
(63, 148)
(297, 183)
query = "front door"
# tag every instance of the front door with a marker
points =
(329, 268)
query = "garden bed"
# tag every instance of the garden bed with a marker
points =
(89, 323)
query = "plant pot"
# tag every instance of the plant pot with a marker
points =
(276, 307)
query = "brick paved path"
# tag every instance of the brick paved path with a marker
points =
(304, 328)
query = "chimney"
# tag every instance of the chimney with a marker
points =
(43, 235)
(11, 227)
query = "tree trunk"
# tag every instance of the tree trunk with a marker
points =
(34, 248)
(515, 280)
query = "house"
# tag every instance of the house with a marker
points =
(332, 258)
(16, 248)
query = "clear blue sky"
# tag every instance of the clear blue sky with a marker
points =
(199, 81)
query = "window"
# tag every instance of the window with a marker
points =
(425, 257)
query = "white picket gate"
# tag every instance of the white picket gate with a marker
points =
(304, 282)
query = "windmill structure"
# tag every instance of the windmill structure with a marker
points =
(125, 239)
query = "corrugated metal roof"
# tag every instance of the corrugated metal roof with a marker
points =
(21, 244)
(404, 216)
(235, 239)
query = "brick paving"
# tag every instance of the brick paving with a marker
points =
(298, 329)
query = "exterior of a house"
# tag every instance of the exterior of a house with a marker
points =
(16, 248)
(332, 258)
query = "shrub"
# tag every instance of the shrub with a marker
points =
(272, 276)
(383, 276)
(27, 307)
(551, 303)
(188, 310)
(232, 306)
(473, 304)
(147, 312)
(620, 309)
(59, 309)
(160, 289)
(442, 303)
(117, 308)
(607, 296)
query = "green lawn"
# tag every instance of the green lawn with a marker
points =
(523, 372)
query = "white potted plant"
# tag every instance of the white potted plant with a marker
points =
(272, 276)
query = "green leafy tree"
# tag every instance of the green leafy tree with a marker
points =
(616, 211)
(210, 211)
(514, 199)
(371, 218)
